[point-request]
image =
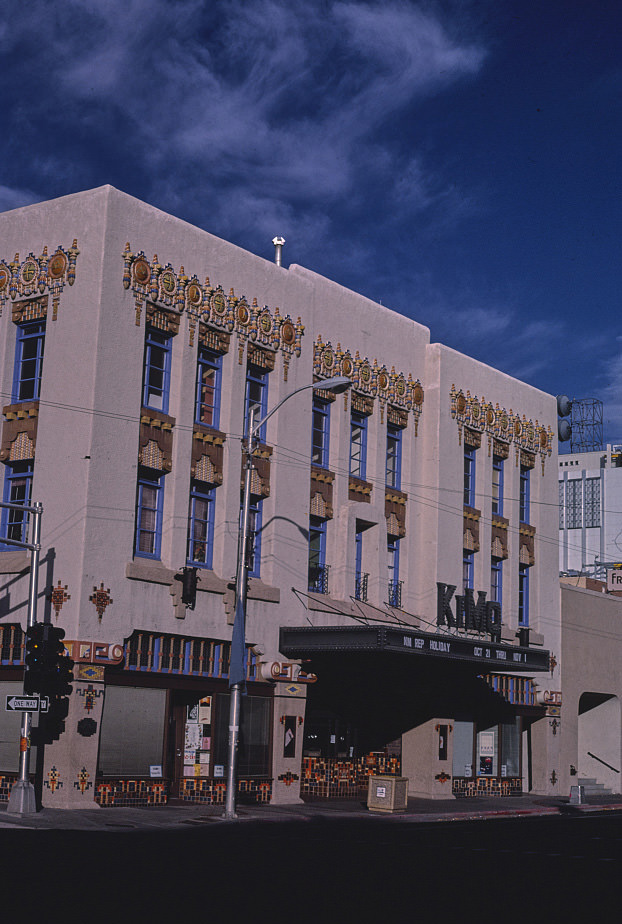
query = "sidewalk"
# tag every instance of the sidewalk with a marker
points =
(160, 817)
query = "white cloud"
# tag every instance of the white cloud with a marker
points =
(611, 392)
(16, 198)
(283, 99)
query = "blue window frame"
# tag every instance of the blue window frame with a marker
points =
(17, 490)
(496, 580)
(395, 585)
(207, 399)
(157, 369)
(358, 445)
(149, 505)
(394, 457)
(523, 504)
(28, 367)
(318, 571)
(523, 595)
(358, 552)
(468, 562)
(469, 476)
(320, 432)
(257, 397)
(360, 577)
(200, 525)
(253, 551)
(497, 485)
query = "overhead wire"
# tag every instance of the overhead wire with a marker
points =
(293, 457)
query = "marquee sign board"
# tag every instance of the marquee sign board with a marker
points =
(304, 641)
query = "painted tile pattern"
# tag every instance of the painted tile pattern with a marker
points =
(207, 304)
(42, 274)
(328, 778)
(6, 784)
(487, 786)
(131, 793)
(212, 792)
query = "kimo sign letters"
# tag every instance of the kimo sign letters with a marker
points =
(469, 616)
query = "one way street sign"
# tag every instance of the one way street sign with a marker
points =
(26, 703)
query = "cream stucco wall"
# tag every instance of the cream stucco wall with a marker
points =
(87, 441)
(591, 658)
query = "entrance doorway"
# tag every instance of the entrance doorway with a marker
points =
(198, 735)
(189, 737)
(487, 757)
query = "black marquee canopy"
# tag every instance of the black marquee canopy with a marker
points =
(305, 641)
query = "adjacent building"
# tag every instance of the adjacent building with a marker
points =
(403, 599)
(590, 511)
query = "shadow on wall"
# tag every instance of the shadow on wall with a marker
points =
(599, 739)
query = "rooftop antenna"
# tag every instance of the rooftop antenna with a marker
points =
(587, 425)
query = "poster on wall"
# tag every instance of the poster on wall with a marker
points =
(289, 736)
(487, 744)
(192, 737)
(205, 710)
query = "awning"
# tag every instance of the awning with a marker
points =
(304, 641)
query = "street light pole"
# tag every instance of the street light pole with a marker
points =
(22, 799)
(337, 385)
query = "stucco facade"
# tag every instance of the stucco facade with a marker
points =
(431, 473)
(591, 735)
(590, 522)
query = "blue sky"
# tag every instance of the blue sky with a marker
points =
(457, 160)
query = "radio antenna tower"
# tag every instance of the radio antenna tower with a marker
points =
(587, 425)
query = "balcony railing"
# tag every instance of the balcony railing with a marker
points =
(360, 586)
(318, 579)
(395, 593)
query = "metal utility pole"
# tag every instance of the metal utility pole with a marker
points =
(22, 798)
(337, 385)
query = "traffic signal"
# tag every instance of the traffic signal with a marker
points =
(564, 428)
(48, 669)
(189, 587)
(51, 723)
(64, 676)
(34, 673)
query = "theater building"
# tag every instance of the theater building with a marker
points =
(403, 598)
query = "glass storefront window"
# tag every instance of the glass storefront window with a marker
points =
(254, 746)
(463, 749)
(487, 751)
(510, 748)
(132, 730)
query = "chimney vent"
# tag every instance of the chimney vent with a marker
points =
(278, 249)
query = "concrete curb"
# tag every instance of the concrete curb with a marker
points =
(158, 819)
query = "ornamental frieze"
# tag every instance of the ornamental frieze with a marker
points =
(39, 275)
(391, 389)
(208, 305)
(502, 427)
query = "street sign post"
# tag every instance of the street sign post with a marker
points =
(26, 703)
(22, 799)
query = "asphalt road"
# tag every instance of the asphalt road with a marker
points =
(523, 869)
